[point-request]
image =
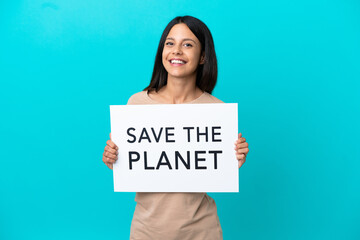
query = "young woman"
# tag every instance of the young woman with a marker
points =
(185, 72)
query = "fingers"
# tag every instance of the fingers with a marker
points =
(241, 162)
(113, 157)
(241, 159)
(108, 159)
(111, 144)
(111, 150)
(110, 153)
(242, 150)
(109, 165)
(241, 145)
(240, 140)
(240, 156)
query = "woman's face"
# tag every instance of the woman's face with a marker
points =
(182, 52)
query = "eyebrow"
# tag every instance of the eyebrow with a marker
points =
(184, 39)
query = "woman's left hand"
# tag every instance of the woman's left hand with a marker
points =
(241, 149)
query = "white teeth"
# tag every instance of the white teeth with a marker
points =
(177, 61)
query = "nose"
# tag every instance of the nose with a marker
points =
(177, 50)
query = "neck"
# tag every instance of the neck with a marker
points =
(180, 90)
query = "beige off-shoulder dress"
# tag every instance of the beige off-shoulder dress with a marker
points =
(174, 216)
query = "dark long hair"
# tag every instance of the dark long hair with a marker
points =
(206, 73)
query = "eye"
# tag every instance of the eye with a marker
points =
(188, 45)
(168, 43)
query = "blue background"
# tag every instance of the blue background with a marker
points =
(293, 67)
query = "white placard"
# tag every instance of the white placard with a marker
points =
(175, 147)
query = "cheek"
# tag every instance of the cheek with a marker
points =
(196, 59)
(164, 54)
(165, 64)
(164, 60)
(195, 56)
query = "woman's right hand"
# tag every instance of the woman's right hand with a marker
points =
(110, 153)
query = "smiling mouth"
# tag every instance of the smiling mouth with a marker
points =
(177, 62)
